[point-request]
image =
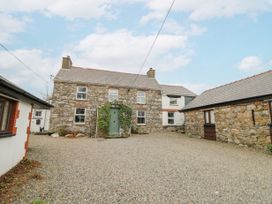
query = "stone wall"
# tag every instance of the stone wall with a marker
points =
(64, 101)
(234, 123)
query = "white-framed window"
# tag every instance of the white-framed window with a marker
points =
(80, 114)
(141, 97)
(209, 117)
(141, 117)
(81, 93)
(171, 118)
(173, 101)
(113, 95)
(38, 113)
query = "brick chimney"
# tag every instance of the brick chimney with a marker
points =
(151, 73)
(66, 62)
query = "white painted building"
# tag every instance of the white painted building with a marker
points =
(15, 120)
(40, 120)
(174, 98)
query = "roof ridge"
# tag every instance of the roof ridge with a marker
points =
(104, 70)
(172, 85)
(236, 81)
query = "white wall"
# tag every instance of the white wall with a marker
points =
(178, 117)
(12, 149)
(45, 120)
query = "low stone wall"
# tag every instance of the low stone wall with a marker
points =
(64, 101)
(234, 124)
(174, 128)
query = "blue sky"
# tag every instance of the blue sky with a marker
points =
(205, 43)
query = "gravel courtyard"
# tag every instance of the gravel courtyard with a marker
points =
(157, 168)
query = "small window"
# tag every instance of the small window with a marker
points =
(141, 117)
(80, 115)
(141, 97)
(81, 93)
(38, 122)
(209, 117)
(171, 118)
(7, 116)
(113, 95)
(173, 101)
(38, 113)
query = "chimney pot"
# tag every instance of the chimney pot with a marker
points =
(66, 62)
(151, 73)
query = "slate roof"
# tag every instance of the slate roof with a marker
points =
(9, 88)
(176, 90)
(251, 87)
(103, 77)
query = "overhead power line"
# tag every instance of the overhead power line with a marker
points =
(25, 65)
(154, 42)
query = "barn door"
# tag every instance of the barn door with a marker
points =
(209, 126)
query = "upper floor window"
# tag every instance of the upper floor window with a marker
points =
(81, 93)
(209, 117)
(141, 97)
(80, 114)
(38, 113)
(141, 115)
(113, 95)
(171, 118)
(173, 101)
(7, 116)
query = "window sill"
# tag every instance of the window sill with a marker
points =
(79, 123)
(141, 103)
(6, 134)
(77, 99)
(141, 124)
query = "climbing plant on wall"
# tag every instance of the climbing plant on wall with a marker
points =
(125, 116)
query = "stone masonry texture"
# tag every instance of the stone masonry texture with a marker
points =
(64, 101)
(234, 123)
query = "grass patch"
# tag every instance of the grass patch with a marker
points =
(13, 180)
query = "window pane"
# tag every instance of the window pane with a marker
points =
(170, 114)
(170, 121)
(173, 101)
(141, 113)
(82, 89)
(5, 115)
(212, 117)
(38, 122)
(141, 120)
(80, 111)
(79, 118)
(207, 117)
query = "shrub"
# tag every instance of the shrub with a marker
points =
(63, 130)
(269, 147)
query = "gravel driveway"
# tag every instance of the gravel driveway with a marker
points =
(157, 168)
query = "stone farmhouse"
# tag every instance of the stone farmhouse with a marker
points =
(239, 112)
(78, 92)
(174, 98)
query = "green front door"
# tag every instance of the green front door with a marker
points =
(114, 122)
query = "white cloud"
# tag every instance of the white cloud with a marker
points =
(18, 74)
(10, 25)
(125, 51)
(207, 9)
(70, 9)
(251, 63)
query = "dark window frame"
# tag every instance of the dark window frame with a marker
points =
(10, 119)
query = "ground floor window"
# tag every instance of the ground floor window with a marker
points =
(80, 114)
(171, 118)
(141, 115)
(7, 114)
(38, 122)
(209, 117)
